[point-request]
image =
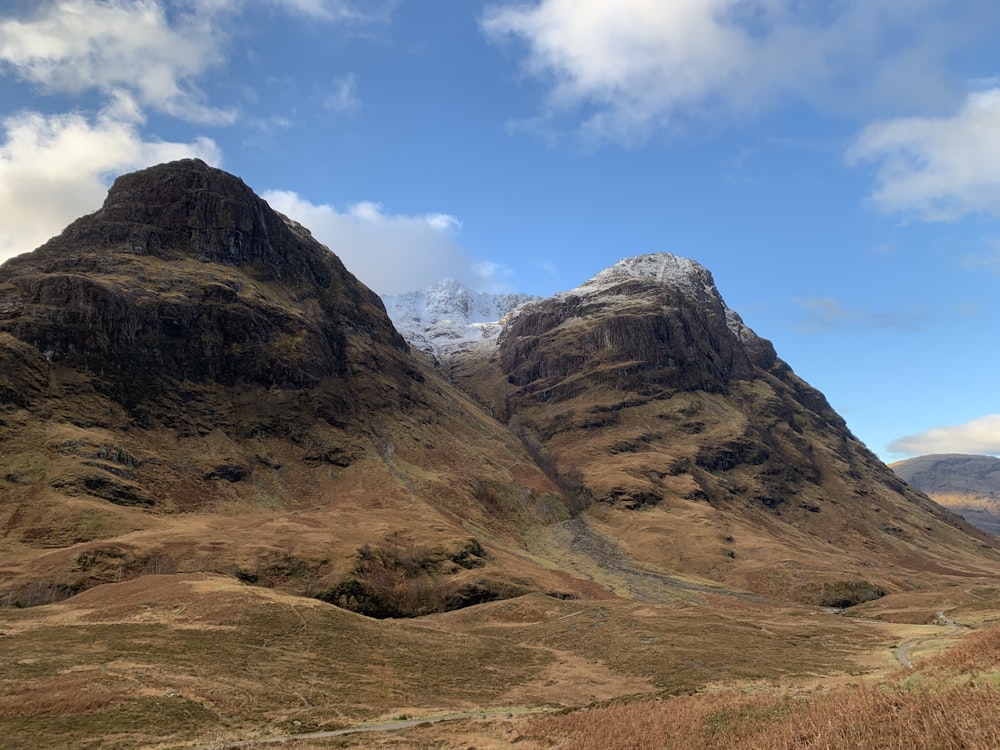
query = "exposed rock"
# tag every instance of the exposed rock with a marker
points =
(184, 275)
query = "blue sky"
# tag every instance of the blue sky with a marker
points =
(835, 165)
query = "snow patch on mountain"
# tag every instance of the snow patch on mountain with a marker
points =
(446, 318)
(690, 277)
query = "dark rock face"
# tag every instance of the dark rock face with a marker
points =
(186, 275)
(670, 340)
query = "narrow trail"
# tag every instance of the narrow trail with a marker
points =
(382, 726)
(902, 651)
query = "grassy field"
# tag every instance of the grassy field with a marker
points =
(197, 660)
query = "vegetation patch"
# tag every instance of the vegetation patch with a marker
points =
(844, 594)
(401, 579)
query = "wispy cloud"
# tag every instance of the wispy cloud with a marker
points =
(366, 11)
(987, 260)
(979, 436)
(392, 253)
(824, 314)
(76, 46)
(937, 168)
(344, 95)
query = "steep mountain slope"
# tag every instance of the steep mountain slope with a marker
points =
(204, 417)
(189, 381)
(447, 319)
(967, 485)
(696, 449)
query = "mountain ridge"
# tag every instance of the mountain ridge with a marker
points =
(208, 362)
(965, 484)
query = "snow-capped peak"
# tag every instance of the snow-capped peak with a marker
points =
(447, 318)
(690, 277)
(664, 268)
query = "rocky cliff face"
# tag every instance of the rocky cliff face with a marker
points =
(185, 275)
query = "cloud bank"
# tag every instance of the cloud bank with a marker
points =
(631, 67)
(980, 436)
(390, 253)
(55, 168)
(937, 168)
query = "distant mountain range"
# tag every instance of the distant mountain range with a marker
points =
(967, 485)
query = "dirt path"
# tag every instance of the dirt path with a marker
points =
(383, 726)
(902, 652)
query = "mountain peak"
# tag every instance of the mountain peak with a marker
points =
(664, 269)
(184, 274)
(188, 210)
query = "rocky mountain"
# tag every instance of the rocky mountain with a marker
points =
(189, 382)
(447, 319)
(256, 514)
(644, 396)
(967, 485)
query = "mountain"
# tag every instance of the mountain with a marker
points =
(447, 319)
(649, 400)
(237, 506)
(189, 381)
(967, 485)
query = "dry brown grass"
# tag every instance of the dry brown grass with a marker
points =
(951, 703)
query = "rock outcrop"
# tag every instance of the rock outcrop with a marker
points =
(185, 275)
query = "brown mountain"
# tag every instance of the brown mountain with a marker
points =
(965, 484)
(697, 449)
(189, 381)
(211, 434)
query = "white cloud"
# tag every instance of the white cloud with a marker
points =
(75, 46)
(980, 436)
(137, 56)
(633, 66)
(391, 253)
(54, 168)
(330, 10)
(938, 168)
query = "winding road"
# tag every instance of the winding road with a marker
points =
(902, 651)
